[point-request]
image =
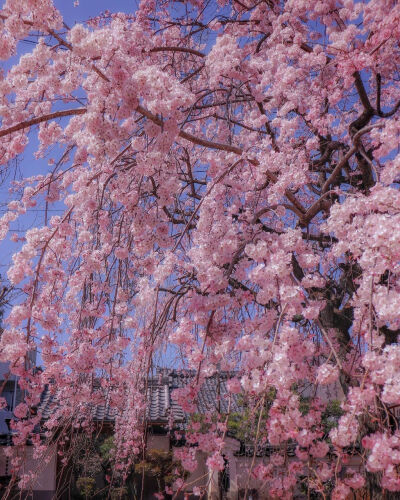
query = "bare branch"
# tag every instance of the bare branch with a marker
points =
(41, 119)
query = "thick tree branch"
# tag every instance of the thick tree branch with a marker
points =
(41, 119)
(178, 49)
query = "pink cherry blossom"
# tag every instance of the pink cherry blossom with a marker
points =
(218, 193)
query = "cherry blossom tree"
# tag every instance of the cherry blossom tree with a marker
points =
(229, 174)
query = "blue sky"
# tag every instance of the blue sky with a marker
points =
(27, 165)
(92, 8)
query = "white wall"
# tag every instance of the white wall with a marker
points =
(45, 468)
(157, 442)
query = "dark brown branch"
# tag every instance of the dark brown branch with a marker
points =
(177, 49)
(379, 111)
(192, 74)
(217, 117)
(336, 172)
(362, 92)
(41, 119)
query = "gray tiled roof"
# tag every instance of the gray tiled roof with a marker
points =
(162, 407)
(213, 396)
(49, 402)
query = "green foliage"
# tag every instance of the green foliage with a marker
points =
(91, 458)
(85, 456)
(331, 415)
(106, 448)
(86, 486)
(310, 494)
(120, 493)
(198, 418)
(304, 405)
(162, 466)
(243, 424)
